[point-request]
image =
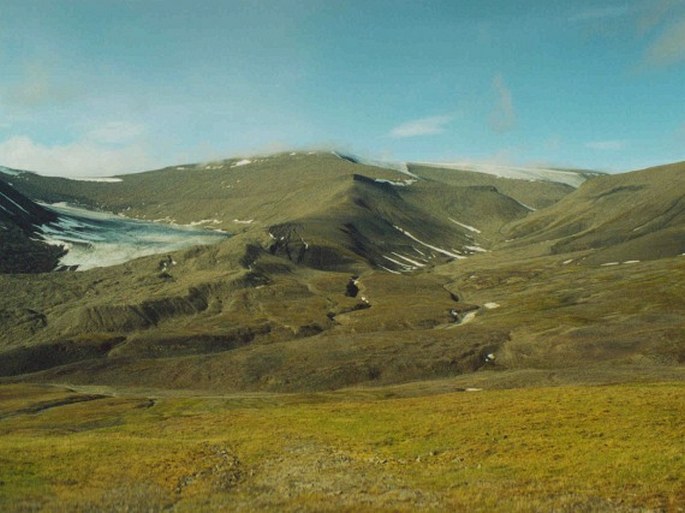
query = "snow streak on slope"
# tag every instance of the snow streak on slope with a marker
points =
(469, 228)
(99, 179)
(396, 183)
(434, 248)
(13, 203)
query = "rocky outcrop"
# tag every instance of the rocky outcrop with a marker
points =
(17, 209)
(25, 360)
(156, 346)
(127, 318)
(20, 219)
(287, 241)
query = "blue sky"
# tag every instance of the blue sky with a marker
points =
(104, 87)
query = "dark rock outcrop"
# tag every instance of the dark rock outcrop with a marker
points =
(21, 251)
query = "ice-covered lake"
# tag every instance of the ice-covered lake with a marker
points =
(98, 239)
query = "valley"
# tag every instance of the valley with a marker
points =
(355, 333)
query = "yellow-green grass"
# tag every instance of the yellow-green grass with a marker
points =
(605, 448)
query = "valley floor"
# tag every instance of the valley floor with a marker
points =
(615, 448)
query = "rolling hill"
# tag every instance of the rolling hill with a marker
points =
(341, 273)
(632, 216)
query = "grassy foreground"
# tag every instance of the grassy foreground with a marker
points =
(594, 448)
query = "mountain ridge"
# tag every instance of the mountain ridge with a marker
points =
(341, 274)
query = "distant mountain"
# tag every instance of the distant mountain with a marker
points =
(342, 273)
(572, 177)
(325, 210)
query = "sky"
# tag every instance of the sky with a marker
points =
(96, 88)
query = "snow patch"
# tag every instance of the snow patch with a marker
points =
(11, 172)
(99, 179)
(631, 262)
(204, 221)
(243, 221)
(566, 262)
(572, 178)
(407, 259)
(609, 264)
(524, 205)
(470, 228)
(434, 248)
(243, 162)
(97, 239)
(389, 270)
(401, 264)
(467, 318)
(491, 306)
(396, 183)
(14, 203)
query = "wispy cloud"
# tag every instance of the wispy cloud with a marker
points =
(656, 13)
(679, 135)
(81, 158)
(664, 23)
(603, 13)
(612, 145)
(115, 132)
(36, 87)
(503, 115)
(669, 47)
(659, 25)
(419, 127)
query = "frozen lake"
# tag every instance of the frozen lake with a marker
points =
(98, 239)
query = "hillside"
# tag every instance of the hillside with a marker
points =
(340, 209)
(21, 251)
(532, 192)
(419, 447)
(340, 273)
(631, 216)
(355, 338)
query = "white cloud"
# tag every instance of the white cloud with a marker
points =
(81, 158)
(614, 145)
(503, 115)
(418, 127)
